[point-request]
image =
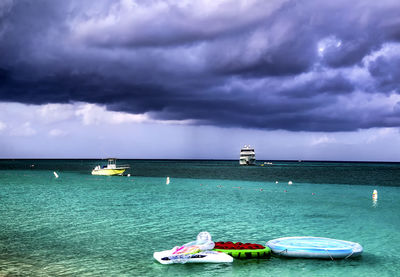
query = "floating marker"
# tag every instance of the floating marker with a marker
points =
(290, 183)
(129, 175)
(375, 195)
(167, 182)
(55, 174)
(276, 182)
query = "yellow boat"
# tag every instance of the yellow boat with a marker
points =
(111, 168)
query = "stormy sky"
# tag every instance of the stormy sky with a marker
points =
(197, 79)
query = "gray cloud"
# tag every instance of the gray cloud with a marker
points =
(271, 65)
(163, 23)
(386, 73)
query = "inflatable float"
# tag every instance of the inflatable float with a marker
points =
(240, 250)
(314, 247)
(166, 257)
(198, 251)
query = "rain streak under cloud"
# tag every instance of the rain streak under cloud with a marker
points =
(312, 66)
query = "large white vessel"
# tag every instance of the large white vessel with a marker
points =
(247, 156)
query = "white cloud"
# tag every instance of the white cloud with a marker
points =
(95, 114)
(324, 139)
(327, 44)
(49, 117)
(130, 22)
(83, 135)
(57, 133)
(381, 134)
(2, 126)
(50, 113)
(23, 130)
(92, 114)
(387, 50)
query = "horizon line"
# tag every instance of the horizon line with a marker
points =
(201, 159)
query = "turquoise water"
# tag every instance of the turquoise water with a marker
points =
(83, 225)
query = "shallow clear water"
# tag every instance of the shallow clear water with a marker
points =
(85, 225)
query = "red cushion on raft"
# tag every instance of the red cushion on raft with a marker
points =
(238, 245)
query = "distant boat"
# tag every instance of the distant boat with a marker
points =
(167, 182)
(247, 156)
(110, 169)
(55, 174)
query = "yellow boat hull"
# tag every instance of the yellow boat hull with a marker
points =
(108, 172)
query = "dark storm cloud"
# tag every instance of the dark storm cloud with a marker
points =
(291, 65)
(386, 73)
(322, 86)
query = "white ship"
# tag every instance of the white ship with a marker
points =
(247, 156)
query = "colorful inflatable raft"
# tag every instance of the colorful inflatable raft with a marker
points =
(197, 251)
(240, 250)
(314, 247)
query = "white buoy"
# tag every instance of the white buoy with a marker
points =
(375, 195)
(167, 182)
(55, 174)
(290, 183)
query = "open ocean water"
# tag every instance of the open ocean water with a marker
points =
(84, 225)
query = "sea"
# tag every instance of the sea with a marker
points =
(84, 225)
